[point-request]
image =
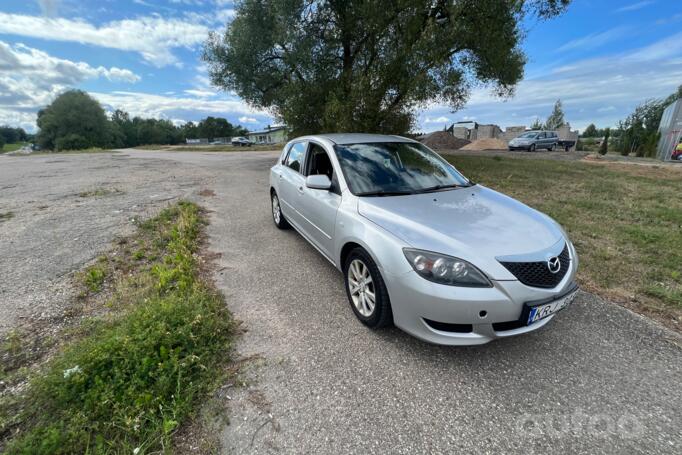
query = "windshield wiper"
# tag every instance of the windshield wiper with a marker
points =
(440, 187)
(385, 193)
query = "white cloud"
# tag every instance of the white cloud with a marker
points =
(634, 6)
(441, 119)
(161, 106)
(200, 93)
(153, 38)
(594, 40)
(599, 90)
(245, 119)
(49, 7)
(31, 78)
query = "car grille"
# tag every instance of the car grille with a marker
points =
(537, 274)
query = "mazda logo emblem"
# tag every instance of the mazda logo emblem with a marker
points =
(553, 264)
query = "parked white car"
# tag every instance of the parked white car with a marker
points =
(445, 259)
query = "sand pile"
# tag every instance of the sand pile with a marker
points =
(442, 140)
(486, 144)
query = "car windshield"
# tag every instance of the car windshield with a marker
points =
(528, 135)
(394, 168)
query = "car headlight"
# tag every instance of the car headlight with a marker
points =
(443, 269)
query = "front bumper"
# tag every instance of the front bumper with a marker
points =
(451, 315)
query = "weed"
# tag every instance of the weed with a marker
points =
(4, 216)
(133, 378)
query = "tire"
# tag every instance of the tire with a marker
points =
(550, 148)
(380, 315)
(277, 215)
(531, 148)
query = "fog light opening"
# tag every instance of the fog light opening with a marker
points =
(483, 314)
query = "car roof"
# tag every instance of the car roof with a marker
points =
(356, 138)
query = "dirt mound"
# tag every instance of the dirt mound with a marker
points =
(442, 140)
(486, 144)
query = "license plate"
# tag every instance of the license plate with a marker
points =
(542, 311)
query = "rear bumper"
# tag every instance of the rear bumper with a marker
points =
(450, 315)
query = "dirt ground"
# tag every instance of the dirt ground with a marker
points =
(65, 210)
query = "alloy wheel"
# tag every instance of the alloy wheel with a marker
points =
(276, 211)
(361, 286)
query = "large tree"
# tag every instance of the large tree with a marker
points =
(365, 65)
(73, 120)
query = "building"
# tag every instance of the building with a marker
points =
(670, 130)
(270, 135)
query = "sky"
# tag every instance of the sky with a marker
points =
(601, 58)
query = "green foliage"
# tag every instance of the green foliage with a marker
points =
(2, 143)
(94, 277)
(638, 133)
(604, 147)
(71, 142)
(590, 131)
(73, 120)
(556, 118)
(365, 66)
(12, 135)
(135, 378)
(537, 124)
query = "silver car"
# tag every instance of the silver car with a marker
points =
(535, 140)
(420, 246)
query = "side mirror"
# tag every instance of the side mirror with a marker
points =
(318, 182)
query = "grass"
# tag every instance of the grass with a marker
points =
(5, 216)
(99, 192)
(211, 148)
(625, 220)
(12, 147)
(134, 375)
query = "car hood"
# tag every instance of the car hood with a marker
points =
(474, 223)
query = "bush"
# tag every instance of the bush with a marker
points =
(71, 142)
(604, 147)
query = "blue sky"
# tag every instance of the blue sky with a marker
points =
(601, 59)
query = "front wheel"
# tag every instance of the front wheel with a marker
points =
(277, 215)
(531, 148)
(366, 290)
(550, 148)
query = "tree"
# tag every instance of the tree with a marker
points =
(590, 131)
(349, 65)
(604, 147)
(215, 127)
(556, 118)
(75, 116)
(638, 133)
(537, 124)
(13, 135)
(2, 142)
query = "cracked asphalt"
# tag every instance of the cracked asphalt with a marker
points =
(597, 379)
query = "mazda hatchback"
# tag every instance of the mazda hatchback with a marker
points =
(420, 245)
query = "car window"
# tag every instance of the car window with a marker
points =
(542, 135)
(390, 167)
(528, 135)
(318, 161)
(295, 157)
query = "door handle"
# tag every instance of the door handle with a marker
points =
(280, 176)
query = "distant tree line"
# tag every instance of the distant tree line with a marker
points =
(9, 135)
(77, 121)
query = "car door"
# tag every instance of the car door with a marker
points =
(541, 141)
(292, 183)
(319, 207)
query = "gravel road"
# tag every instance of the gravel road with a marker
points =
(597, 379)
